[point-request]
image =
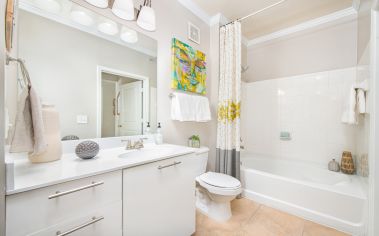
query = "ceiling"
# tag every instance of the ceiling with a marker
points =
(289, 13)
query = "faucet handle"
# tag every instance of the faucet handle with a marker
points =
(128, 143)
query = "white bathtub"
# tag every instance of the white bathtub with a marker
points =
(309, 191)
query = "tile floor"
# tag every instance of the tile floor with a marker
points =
(252, 219)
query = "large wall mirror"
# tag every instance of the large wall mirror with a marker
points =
(100, 75)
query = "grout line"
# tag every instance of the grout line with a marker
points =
(254, 213)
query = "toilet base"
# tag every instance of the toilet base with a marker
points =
(219, 211)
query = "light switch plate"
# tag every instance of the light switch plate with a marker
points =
(82, 119)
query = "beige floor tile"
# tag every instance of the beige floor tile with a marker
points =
(242, 211)
(251, 219)
(313, 229)
(268, 221)
(220, 233)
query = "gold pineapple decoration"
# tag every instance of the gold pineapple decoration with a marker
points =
(347, 163)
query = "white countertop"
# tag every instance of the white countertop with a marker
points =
(28, 176)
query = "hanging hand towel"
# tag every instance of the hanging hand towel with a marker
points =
(28, 133)
(203, 113)
(349, 116)
(361, 101)
(185, 107)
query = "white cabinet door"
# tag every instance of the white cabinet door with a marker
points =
(159, 198)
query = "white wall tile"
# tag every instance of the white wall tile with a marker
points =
(308, 106)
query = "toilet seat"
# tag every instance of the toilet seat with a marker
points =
(221, 184)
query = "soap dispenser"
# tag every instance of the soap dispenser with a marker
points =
(147, 130)
(159, 137)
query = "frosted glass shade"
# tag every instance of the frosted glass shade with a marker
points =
(128, 35)
(82, 16)
(48, 5)
(98, 3)
(146, 18)
(123, 9)
(108, 27)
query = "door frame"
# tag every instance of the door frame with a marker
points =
(146, 95)
(115, 108)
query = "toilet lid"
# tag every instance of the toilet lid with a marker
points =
(220, 180)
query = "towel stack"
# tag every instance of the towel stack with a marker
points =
(185, 107)
(356, 103)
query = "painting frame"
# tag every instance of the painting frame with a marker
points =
(193, 33)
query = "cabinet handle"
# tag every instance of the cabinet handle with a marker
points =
(92, 221)
(173, 164)
(59, 194)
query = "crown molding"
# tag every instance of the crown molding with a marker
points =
(336, 17)
(198, 11)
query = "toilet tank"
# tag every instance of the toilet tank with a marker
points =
(201, 156)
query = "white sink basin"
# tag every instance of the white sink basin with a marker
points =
(152, 151)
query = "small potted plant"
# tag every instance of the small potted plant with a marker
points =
(194, 141)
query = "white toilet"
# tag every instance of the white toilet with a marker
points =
(215, 191)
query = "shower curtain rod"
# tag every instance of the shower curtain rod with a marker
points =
(256, 12)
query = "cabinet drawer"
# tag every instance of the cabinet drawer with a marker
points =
(41, 208)
(102, 222)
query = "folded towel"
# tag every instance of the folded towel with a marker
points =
(28, 132)
(185, 107)
(349, 115)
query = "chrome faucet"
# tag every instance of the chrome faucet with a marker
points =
(131, 146)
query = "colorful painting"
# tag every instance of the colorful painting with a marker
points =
(188, 68)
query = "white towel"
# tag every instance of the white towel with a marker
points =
(361, 101)
(185, 107)
(349, 115)
(203, 113)
(28, 132)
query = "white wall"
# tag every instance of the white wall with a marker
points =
(330, 48)
(62, 63)
(309, 106)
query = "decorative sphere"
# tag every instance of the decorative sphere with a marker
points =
(87, 149)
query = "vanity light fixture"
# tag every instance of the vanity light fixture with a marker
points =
(124, 9)
(82, 16)
(98, 3)
(128, 35)
(108, 27)
(52, 6)
(146, 17)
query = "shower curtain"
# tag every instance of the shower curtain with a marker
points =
(229, 101)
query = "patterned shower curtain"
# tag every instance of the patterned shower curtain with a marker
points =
(229, 101)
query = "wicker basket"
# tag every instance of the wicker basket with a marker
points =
(347, 163)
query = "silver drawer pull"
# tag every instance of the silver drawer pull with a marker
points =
(92, 221)
(173, 164)
(59, 194)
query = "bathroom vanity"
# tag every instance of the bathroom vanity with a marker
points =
(121, 192)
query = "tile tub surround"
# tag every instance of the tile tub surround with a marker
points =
(252, 219)
(308, 106)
